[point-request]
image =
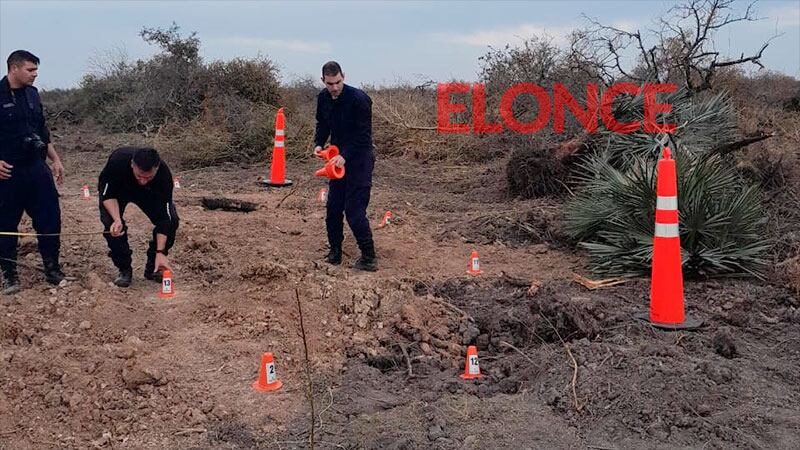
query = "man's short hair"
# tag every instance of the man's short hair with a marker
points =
(146, 158)
(18, 57)
(331, 69)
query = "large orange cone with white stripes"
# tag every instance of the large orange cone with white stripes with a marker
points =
(666, 285)
(277, 176)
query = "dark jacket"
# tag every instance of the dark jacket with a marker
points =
(21, 114)
(348, 122)
(118, 182)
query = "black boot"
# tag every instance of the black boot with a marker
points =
(52, 271)
(10, 278)
(124, 278)
(150, 269)
(334, 256)
(368, 261)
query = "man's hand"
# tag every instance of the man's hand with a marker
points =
(338, 161)
(58, 172)
(162, 262)
(5, 170)
(317, 149)
(117, 229)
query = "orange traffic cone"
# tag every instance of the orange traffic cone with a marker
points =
(471, 368)
(86, 194)
(474, 264)
(177, 182)
(167, 288)
(323, 195)
(329, 152)
(666, 284)
(267, 378)
(387, 219)
(278, 170)
(330, 171)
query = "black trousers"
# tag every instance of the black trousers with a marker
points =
(119, 249)
(350, 202)
(30, 189)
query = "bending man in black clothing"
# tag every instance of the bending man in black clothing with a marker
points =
(138, 176)
(344, 114)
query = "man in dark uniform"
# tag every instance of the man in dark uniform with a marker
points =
(137, 175)
(26, 183)
(344, 114)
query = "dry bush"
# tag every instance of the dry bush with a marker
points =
(299, 100)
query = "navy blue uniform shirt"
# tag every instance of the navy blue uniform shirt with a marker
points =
(347, 120)
(21, 114)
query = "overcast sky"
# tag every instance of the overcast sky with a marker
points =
(376, 42)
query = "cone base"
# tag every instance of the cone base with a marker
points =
(689, 323)
(161, 295)
(474, 273)
(465, 376)
(268, 388)
(274, 184)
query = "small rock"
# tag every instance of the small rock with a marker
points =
(435, 432)
(85, 325)
(724, 344)
(727, 306)
(470, 334)
(425, 348)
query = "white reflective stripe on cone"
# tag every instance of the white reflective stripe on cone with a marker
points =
(667, 230)
(667, 203)
(278, 143)
(278, 132)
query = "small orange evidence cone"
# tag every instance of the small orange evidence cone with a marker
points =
(167, 287)
(177, 182)
(666, 283)
(471, 368)
(474, 264)
(323, 195)
(267, 378)
(387, 219)
(86, 194)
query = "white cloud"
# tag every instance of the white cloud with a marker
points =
(788, 15)
(293, 45)
(509, 35)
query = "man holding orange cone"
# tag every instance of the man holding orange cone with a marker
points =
(344, 114)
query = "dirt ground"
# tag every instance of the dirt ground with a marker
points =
(89, 365)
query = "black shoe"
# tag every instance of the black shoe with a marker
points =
(52, 272)
(334, 256)
(10, 284)
(153, 276)
(124, 278)
(368, 261)
(367, 264)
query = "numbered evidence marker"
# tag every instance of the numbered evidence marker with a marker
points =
(474, 264)
(167, 287)
(386, 220)
(86, 194)
(177, 182)
(267, 378)
(471, 368)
